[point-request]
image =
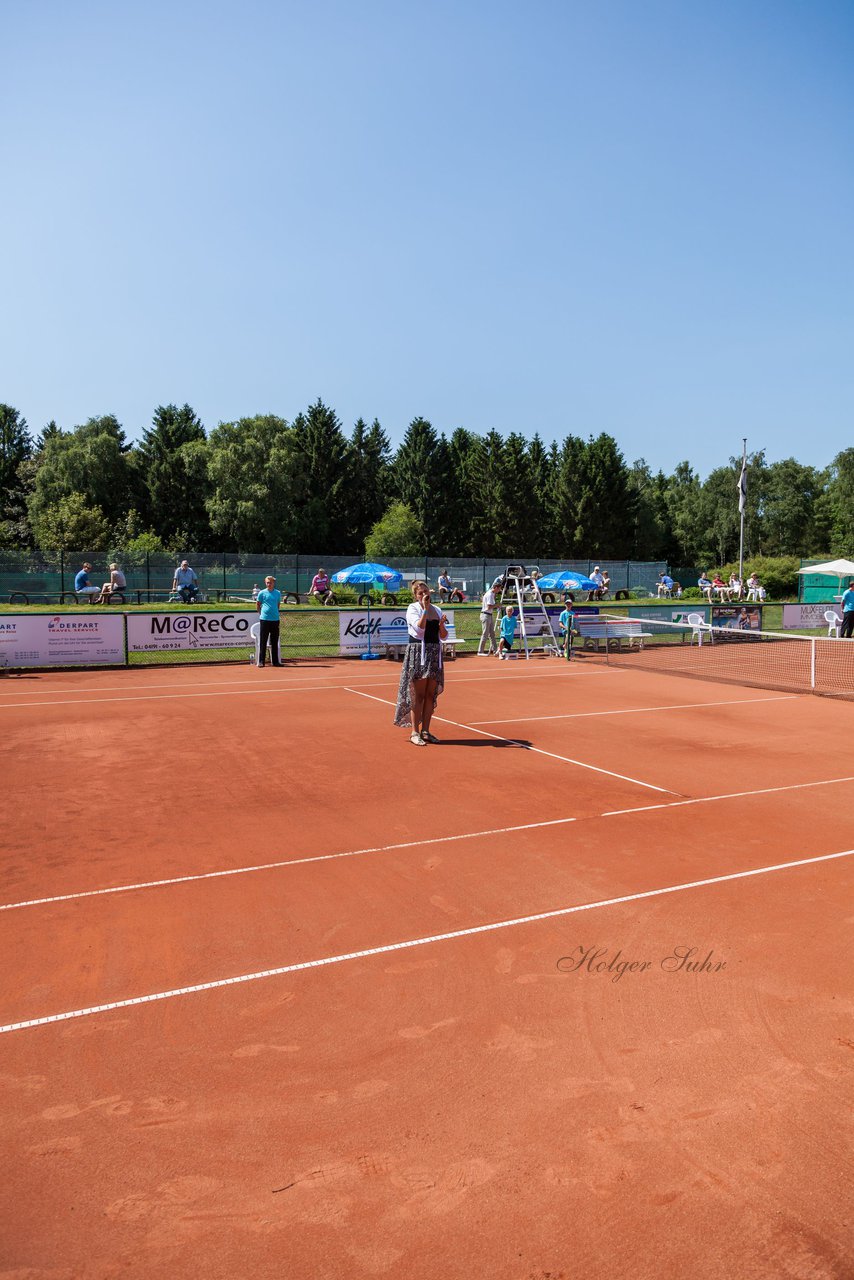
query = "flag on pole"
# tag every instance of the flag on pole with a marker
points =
(742, 487)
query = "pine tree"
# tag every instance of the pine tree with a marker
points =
(16, 448)
(568, 478)
(367, 482)
(321, 513)
(171, 463)
(463, 452)
(420, 480)
(542, 523)
(489, 494)
(515, 500)
(605, 503)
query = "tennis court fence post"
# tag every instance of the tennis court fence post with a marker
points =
(62, 571)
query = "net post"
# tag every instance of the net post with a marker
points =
(812, 663)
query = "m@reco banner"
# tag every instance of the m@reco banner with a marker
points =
(61, 640)
(353, 628)
(161, 632)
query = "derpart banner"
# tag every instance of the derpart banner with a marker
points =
(61, 640)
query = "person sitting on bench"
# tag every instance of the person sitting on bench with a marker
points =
(82, 585)
(444, 585)
(320, 587)
(117, 582)
(185, 582)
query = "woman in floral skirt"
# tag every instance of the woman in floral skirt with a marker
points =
(423, 676)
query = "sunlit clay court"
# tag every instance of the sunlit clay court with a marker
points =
(565, 994)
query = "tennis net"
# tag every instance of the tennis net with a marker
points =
(733, 655)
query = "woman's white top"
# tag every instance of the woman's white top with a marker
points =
(413, 617)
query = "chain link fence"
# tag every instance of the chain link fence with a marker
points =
(223, 575)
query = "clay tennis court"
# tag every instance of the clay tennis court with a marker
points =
(568, 995)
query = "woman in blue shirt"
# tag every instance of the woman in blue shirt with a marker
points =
(268, 606)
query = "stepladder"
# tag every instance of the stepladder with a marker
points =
(519, 590)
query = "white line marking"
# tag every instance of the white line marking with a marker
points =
(631, 711)
(411, 844)
(420, 942)
(168, 697)
(289, 862)
(730, 795)
(526, 746)
(268, 686)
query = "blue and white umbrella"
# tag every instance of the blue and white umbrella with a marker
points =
(365, 574)
(566, 581)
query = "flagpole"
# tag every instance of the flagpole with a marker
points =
(742, 503)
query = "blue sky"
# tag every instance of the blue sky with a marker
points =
(565, 217)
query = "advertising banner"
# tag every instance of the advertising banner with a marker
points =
(799, 617)
(737, 617)
(163, 632)
(353, 628)
(61, 640)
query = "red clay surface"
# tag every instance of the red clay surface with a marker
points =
(462, 1106)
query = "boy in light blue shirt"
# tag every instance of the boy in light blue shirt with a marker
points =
(267, 605)
(508, 633)
(565, 622)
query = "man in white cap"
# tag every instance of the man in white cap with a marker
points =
(596, 576)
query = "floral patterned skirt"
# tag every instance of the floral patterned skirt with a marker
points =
(430, 667)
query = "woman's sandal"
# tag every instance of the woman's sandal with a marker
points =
(417, 740)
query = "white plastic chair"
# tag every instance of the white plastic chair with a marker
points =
(833, 623)
(697, 623)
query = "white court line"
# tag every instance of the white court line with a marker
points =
(526, 746)
(631, 711)
(732, 795)
(289, 862)
(412, 844)
(420, 942)
(292, 677)
(263, 686)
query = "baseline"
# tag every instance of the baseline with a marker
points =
(268, 686)
(409, 943)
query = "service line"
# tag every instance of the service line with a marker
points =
(632, 711)
(409, 844)
(420, 942)
(526, 746)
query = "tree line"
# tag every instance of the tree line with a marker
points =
(268, 485)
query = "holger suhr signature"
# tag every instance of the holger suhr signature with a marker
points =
(681, 959)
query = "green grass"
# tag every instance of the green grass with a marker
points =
(309, 631)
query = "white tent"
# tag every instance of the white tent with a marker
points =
(834, 568)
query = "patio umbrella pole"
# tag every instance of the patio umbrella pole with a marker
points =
(370, 656)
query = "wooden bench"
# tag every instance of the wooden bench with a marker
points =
(593, 629)
(395, 638)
